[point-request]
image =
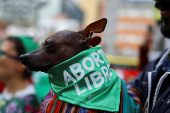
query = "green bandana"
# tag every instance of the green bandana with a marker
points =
(87, 80)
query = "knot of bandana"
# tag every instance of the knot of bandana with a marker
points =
(87, 80)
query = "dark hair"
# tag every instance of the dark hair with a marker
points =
(20, 49)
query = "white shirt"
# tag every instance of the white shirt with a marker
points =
(29, 90)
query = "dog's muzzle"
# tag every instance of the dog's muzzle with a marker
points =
(23, 58)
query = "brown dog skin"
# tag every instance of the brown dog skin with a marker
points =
(61, 46)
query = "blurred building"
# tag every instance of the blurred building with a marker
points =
(127, 25)
(126, 32)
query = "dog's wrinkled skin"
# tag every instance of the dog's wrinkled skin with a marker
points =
(61, 46)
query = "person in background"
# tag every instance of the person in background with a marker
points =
(144, 49)
(3, 34)
(19, 95)
(152, 85)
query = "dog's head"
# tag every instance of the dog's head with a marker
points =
(61, 46)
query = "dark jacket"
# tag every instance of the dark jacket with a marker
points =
(153, 85)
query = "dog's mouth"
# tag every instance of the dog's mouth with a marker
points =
(33, 64)
(43, 68)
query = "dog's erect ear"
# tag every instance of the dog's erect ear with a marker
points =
(95, 27)
(95, 41)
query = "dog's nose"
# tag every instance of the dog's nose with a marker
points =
(23, 58)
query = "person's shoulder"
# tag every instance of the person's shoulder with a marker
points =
(31, 101)
(32, 97)
(29, 98)
(163, 52)
(153, 63)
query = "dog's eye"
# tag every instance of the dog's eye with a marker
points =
(47, 44)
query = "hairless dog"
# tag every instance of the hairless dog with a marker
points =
(61, 46)
(80, 76)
